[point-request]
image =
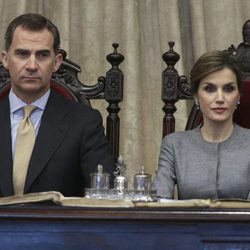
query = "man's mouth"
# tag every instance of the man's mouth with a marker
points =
(30, 78)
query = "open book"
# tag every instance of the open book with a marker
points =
(202, 203)
(59, 199)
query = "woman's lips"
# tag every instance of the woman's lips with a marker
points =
(219, 110)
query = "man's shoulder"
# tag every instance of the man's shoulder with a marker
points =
(75, 105)
(76, 109)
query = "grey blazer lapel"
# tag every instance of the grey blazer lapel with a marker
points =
(6, 183)
(54, 125)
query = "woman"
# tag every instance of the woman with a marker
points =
(212, 160)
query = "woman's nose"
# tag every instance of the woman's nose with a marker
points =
(220, 95)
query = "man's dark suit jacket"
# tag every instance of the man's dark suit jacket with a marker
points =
(69, 146)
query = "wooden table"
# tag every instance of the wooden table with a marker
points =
(46, 226)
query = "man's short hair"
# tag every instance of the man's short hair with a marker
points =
(32, 22)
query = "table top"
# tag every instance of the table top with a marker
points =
(46, 211)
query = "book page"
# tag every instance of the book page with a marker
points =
(59, 199)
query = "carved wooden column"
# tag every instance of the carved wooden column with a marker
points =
(169, 90)
(174, 88)
(114, 95)
(243, 50)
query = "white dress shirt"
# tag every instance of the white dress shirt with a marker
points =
(16, 113)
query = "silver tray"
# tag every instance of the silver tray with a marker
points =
(112, 194)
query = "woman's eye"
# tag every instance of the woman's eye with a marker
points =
(229, 88)
(209, 88)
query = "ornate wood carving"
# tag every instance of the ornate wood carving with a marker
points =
(114, 95)
(242, 52)
(174, 87)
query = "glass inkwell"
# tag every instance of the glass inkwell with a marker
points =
(99, 180)
(99, 184)
(142, 187)
(142, 181)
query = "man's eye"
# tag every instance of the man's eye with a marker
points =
(43, 54)
(209, 88)
(22, 53)
(229, 88)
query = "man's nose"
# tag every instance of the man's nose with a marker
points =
(31, 63)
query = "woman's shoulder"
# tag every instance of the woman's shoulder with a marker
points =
(243, 132)
(182, 136)
(242, 129)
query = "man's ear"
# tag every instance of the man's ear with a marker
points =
(58, 61)
(5, 59)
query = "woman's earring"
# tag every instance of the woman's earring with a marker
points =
(238, 102)
(196, 102)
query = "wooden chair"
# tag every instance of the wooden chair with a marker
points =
(109, 88)
(175, 87)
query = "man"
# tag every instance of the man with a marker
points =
(69, 137)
